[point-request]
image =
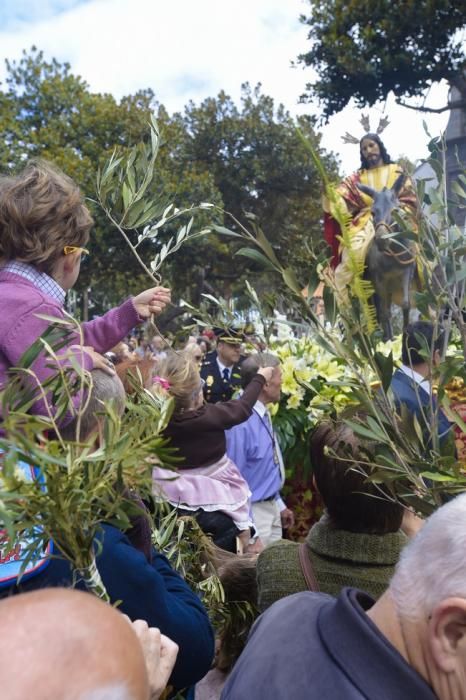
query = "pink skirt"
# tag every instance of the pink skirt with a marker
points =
(217, 487)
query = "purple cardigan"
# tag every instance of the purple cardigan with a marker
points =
(21, 302)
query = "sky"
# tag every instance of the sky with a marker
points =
(191, 49)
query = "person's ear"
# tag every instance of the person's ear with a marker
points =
(70, 261)
(447, 633)
(437, 357)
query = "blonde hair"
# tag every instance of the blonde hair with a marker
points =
(142, 371)
(41, 211)
(182, 373)
(194, 351)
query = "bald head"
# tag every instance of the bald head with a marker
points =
(67, 645)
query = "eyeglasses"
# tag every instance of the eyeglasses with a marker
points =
(70, 249)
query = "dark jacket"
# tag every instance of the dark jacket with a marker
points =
(149, 591)
(312, 646)
(200, 434)
(216, 387)
(418, 402)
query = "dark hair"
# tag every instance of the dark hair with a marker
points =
(204, 339)
(420, 336)
(383, 151)
(238, 577)
(353, 503)
(251, 364)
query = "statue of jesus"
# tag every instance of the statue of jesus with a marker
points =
(377, 171)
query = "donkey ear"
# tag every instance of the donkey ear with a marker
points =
(366, 189)
(398, 184)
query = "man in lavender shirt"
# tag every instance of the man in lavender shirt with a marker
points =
(254, 448)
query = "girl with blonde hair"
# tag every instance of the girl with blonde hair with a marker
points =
(209, 485)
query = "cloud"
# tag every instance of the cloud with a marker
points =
(16, 14)
(119, 46)
(191, 49)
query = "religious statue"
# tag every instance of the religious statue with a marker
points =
(377, 172)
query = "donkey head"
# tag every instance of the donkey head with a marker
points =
(384, 202)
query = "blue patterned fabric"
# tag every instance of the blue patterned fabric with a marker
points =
(12, 560)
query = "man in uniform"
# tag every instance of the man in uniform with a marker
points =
(220, 369)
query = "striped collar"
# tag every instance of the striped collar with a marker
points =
(39, 279)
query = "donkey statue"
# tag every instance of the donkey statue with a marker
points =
(390, 261)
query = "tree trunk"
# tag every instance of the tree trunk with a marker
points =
(86, 304)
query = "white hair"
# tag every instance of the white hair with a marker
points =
(105, 388)
(112, 691)
(432, 566)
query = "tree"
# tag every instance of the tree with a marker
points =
(366, 48)
(187, 181)
(260, 166)
(52, 115)
(48, 112)
(241, 159)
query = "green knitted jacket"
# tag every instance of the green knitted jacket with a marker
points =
(339, 558)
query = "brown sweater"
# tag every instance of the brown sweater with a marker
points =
(200, 434)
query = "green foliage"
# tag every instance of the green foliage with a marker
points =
(192, 554)
(245, 158)
(403, 449)
(189, 551)
(364, 50)
(123, 192)
(261, 168)
(82, 482)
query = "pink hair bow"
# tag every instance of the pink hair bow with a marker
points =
(164, 383)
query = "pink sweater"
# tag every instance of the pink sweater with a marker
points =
(21, 302)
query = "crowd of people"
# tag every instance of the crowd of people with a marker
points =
(371, 605)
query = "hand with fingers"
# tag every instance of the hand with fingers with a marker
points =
(99, 361)
(287, 518)
(159, 654)
(152, 301)
(266, 372)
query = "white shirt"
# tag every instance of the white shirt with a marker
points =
(221, 367)
(418, 378)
